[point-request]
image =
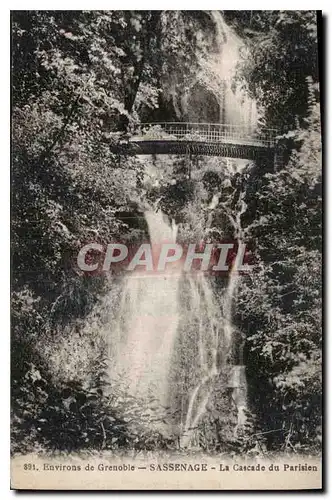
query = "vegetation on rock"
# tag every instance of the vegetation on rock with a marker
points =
(80, 81)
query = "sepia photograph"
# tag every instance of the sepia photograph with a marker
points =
(166, 250)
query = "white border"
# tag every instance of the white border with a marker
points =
(169, 5)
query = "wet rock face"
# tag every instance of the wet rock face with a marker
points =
(202, 105)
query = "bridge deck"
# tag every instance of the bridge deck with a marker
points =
(211, 139)
(226, 149)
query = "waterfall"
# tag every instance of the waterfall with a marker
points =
(147, 322)
(172, 338)
(210, 340)
(215, 341)
(236, 106)
(217, 75)
(148, 334)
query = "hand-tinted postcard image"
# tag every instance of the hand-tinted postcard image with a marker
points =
(166, 206)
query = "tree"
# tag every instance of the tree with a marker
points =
(80, 81)
(281, 303)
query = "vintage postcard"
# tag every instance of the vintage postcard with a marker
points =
(166, 250)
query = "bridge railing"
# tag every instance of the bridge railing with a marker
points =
(206, 132)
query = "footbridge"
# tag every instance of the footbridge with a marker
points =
(211, 139)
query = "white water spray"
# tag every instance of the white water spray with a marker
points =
(147, 322)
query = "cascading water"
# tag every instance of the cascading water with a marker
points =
(214, 338)
(147, 322)
(172, 339)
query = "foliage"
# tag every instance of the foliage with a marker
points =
(79, 417)
(280, 303)
(283, 53)
(81, 82)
